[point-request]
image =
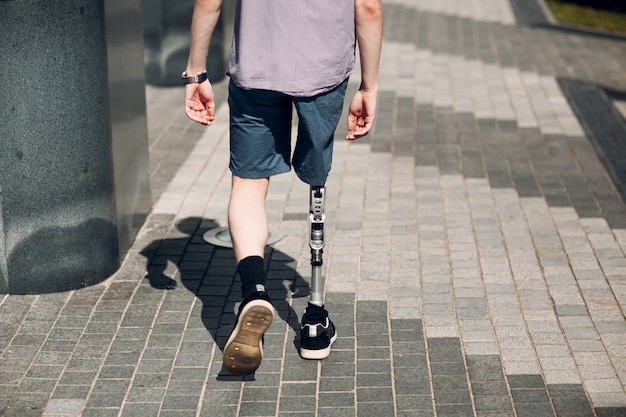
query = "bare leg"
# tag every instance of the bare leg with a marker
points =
(247, 219)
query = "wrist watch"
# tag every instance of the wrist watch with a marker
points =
(203, 76)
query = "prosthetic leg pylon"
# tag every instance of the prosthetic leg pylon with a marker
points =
(317, 218)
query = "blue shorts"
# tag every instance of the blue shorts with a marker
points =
(260, 133)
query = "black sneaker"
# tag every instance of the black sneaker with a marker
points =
(243, 352)
(317, 334)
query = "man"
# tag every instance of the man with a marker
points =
(284, 53)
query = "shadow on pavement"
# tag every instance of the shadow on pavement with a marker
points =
(209, 272)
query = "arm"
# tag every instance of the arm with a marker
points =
(199, 99)
(369, 24)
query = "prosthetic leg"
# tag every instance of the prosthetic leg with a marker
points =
(316, 241)
(317, 333)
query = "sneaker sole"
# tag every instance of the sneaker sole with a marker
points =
(318, 354)
(243, 352)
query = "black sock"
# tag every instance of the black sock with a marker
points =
(314, 314)
(252, 273)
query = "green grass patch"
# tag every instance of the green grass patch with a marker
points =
(588, 17)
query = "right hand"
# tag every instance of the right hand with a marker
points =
(200, 102)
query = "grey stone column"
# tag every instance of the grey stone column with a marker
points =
(58, 219)
(127, 95)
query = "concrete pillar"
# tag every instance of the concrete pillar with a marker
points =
(127, 95)
(59, 224)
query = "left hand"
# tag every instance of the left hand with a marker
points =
(362, 113)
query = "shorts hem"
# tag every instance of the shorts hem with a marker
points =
(255, 175)
(309, 182)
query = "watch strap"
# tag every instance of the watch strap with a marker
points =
(203, 76)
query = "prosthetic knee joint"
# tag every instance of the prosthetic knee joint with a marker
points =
(316, 241)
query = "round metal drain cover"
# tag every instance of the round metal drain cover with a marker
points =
(221, 237)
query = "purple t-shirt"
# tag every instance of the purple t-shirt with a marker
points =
(297, 47)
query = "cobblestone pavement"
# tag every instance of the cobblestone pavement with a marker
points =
(475, 260)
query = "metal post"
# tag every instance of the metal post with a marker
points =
(316, 241)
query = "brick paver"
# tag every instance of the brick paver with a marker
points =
(475, 258)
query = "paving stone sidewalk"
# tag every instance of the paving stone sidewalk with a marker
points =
(475, 261)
